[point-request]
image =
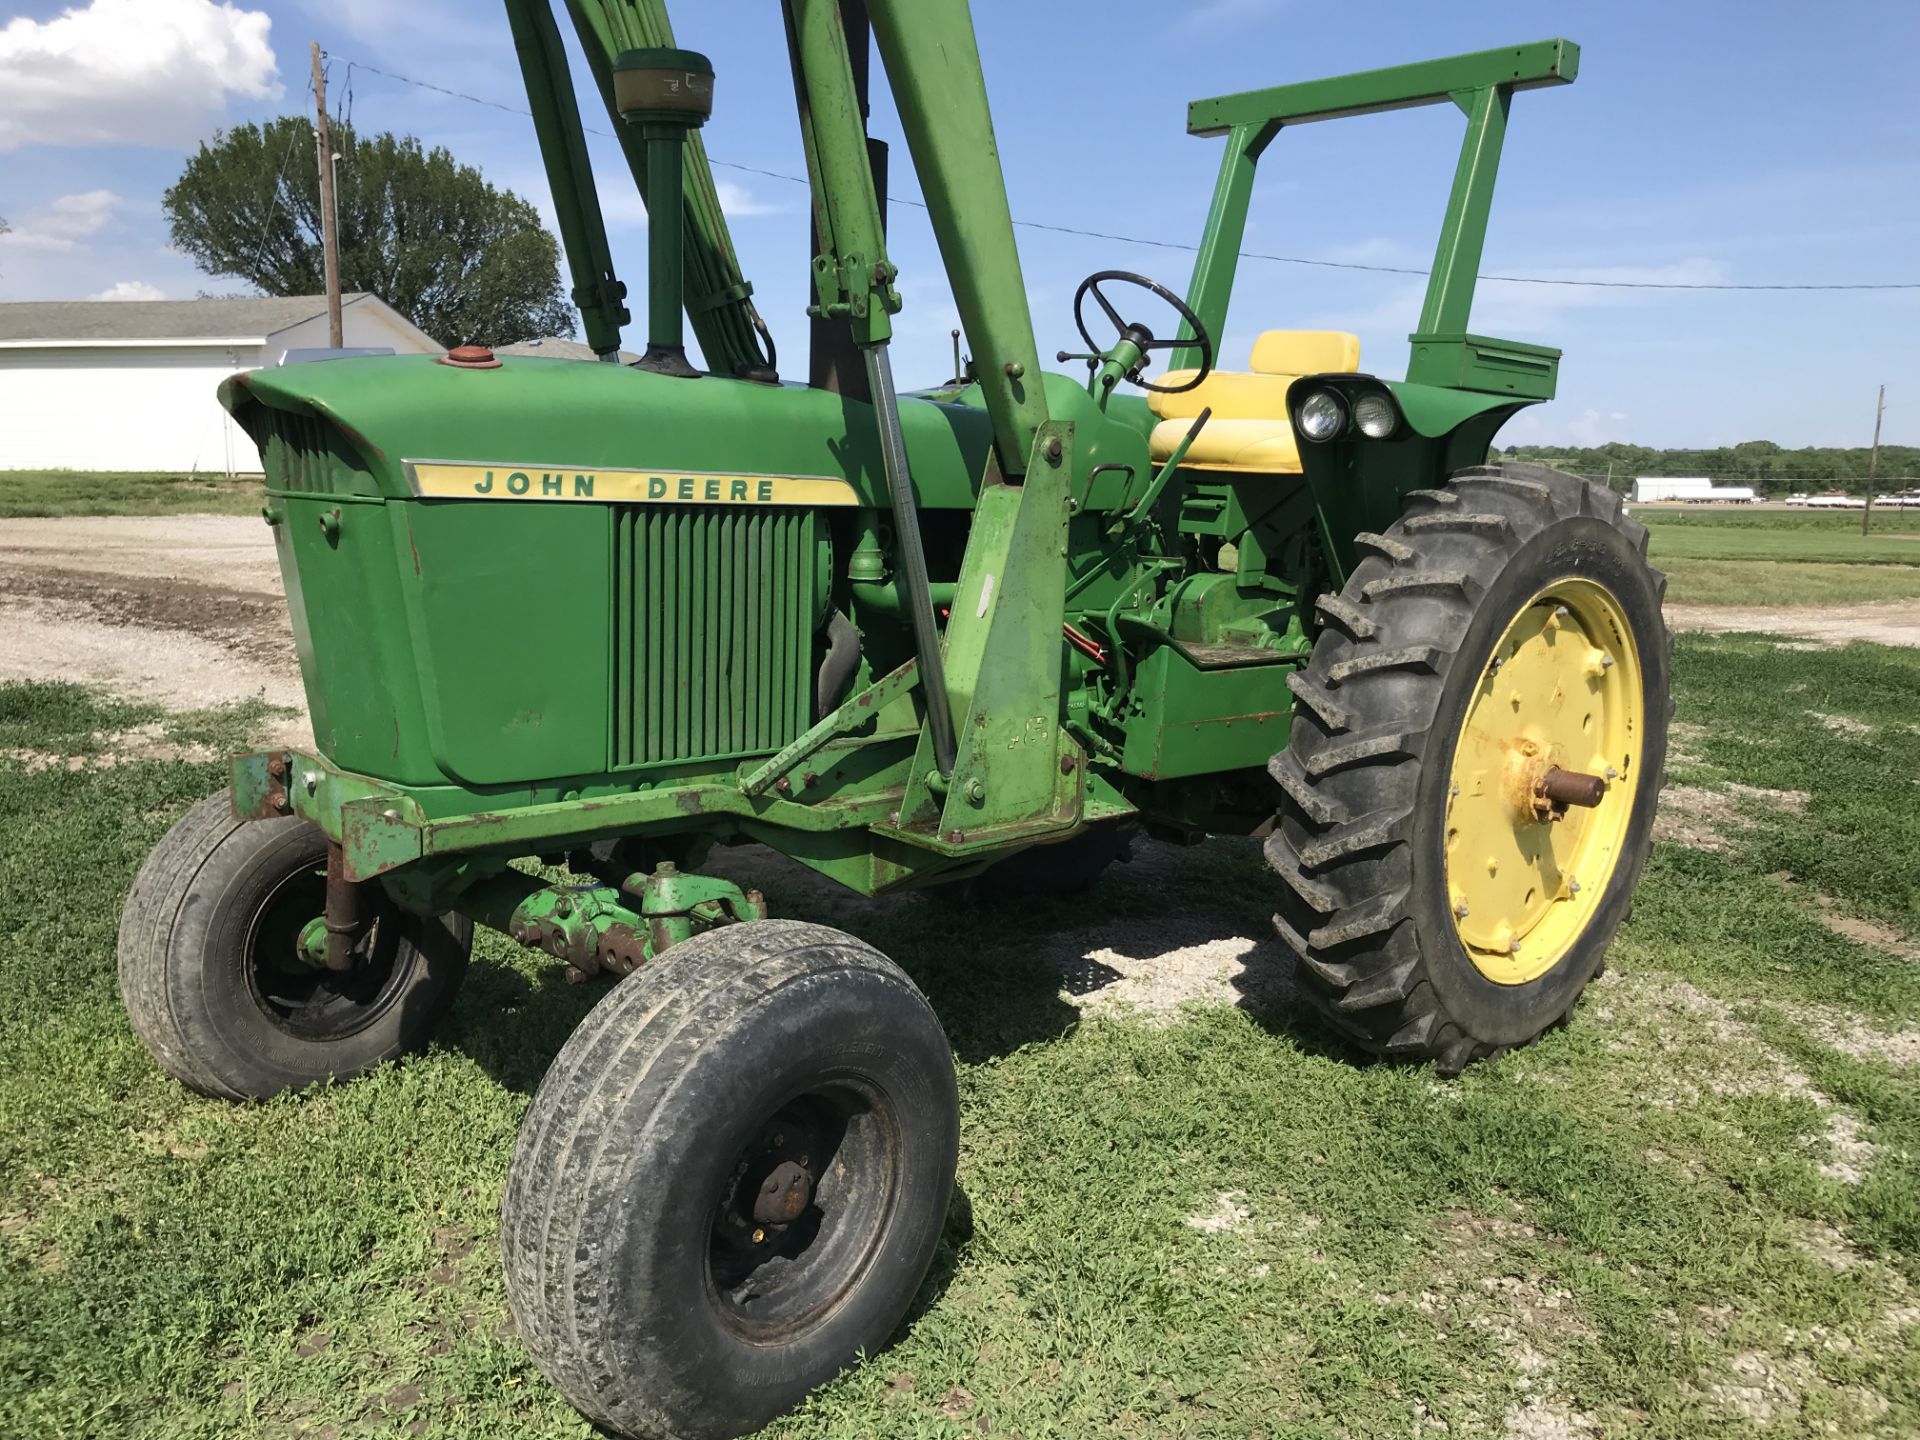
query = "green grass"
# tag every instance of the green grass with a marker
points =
(1772, 557)
(26, 493)
(1619, 1223)
(1783, 583)
(61, 718)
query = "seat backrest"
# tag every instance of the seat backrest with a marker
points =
(1279, 358)
(1306, 352)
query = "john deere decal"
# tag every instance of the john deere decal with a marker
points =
(438, 480)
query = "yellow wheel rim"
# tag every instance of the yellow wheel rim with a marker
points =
(1562, 692)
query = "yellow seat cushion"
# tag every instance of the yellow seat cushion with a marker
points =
(1306, 352)
(1249, 429)
(1266, 446)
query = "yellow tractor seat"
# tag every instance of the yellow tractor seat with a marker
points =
(1250, 429)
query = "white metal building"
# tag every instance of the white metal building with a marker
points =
(1664, 487)
(129, 385)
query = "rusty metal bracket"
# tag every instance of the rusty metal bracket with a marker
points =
(596, 928)
(849, 716)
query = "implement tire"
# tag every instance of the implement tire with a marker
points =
(1429, 891)
(208, 969)
(732, 1181)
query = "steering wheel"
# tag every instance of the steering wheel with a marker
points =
(1141, 337)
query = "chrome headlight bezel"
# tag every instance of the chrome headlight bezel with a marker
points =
(1376, 416)
(1321, 416)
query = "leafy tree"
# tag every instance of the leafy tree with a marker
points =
(461, 259)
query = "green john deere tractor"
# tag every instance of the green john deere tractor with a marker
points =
(611, 616)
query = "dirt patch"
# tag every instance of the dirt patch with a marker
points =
(1229, 1216)
(223, 552)
(184, 611)
(1143, 965)
(1491, 1274)
(1759, 1387)
(49, 640)
(1893, 622)
(1704, 819)
(1851, 1035)
(1870, 933)
(1688, 1045)
(1845, 725)
(1683, 741)
(1828, 1246)
(1543, 1420)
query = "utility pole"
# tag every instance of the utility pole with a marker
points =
(1873, 465)
(329, 215)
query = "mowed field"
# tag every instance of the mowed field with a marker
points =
(1184, 1209)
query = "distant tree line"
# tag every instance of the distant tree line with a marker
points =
(1770, 469)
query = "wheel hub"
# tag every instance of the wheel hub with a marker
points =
(1540, 792)
(803, 1211)
(773, 1187)
(784, 1195)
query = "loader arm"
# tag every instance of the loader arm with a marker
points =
(717, 296)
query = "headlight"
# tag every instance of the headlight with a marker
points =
(1321, 416)
(1375, 416)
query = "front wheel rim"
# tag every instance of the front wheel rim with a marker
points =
(1563, 690)
(310, 1002)
(804, 1211)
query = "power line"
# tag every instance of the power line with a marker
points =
(1182, 246)
(273, 204)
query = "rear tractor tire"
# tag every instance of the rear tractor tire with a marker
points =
(1479, 742)
(732, 1181)
(210, 970)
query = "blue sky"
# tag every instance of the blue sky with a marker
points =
(1705, 142)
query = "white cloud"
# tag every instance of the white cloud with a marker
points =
(622, 208)
(1591, 428)
(131, 72)
(1505, 307)
(131, 290)
(1217, 13)
(741, 203)
(64, 224)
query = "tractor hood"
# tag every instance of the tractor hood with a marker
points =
(380, 416)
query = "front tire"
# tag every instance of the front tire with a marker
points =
(209, 968)
(731, 1182)
(1442, 910)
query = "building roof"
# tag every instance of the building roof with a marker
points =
(257, 318)
(554, 347)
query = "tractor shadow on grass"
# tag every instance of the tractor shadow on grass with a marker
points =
(1172, 926)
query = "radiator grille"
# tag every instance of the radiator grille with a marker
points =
(303, 454)
(712, 632)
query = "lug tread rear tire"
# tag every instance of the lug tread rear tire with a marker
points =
(1350, 779)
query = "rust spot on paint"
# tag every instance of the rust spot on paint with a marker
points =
(414, 546)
